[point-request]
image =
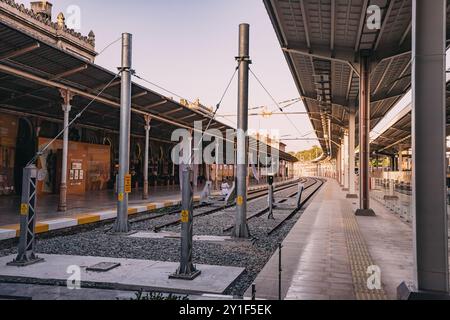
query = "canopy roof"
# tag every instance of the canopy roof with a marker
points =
(322, 41)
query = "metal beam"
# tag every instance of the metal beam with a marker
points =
(343, 56)
(156, 104)
(383, 25)
(362, 20)
(138, 95)
(70, 72)
(305, 22)
(19, 52)
(364, 137)
(113, 84)
(383, 76)
(333, 24)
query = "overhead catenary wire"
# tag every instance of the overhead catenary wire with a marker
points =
(160, 87)
(108, 46)
(273, 99)
(78, 115)
(218, 105)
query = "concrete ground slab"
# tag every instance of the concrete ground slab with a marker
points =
(176, 235)
(131, 275)
(21, 291)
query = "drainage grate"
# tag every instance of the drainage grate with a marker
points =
(103, 267)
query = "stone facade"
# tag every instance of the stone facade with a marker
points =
(38, 23)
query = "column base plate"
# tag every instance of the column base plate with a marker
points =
(365, 213)
(409, 292)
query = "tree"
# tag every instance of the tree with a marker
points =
(308, 155)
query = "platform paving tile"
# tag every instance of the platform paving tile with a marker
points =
(330, 250)
(327, 246)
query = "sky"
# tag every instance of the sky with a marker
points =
(189, 48)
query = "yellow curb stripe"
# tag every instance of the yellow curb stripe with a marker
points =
(82, 219)
(132, 211)
(42, 228)
(87, 218)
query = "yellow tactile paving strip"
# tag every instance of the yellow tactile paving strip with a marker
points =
(360, 259)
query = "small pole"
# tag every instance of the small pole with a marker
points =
(270, 199)
(26, 255)
(301, 187)
(253, 292)
(280, 246)
(147, 147)
(187, 270)
(67, 97)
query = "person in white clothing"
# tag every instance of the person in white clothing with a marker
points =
(225, 188)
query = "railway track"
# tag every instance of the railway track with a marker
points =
(265, 210)
(319, 183)
(214, 208)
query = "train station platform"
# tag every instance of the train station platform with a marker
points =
(328, 253)
(89, 208)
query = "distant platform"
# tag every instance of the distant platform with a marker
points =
(130, 275)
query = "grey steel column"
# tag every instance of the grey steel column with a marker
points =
(364, 128)
(351, 155)
(26, 253)
(122, 225)
(187, 270)
(429, 147)
(346, 162)
(400, 160)
(338, 166)
(147, 147)
(63, 186)
(241, 228)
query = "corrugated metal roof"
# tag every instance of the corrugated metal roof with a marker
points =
(321, 40)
